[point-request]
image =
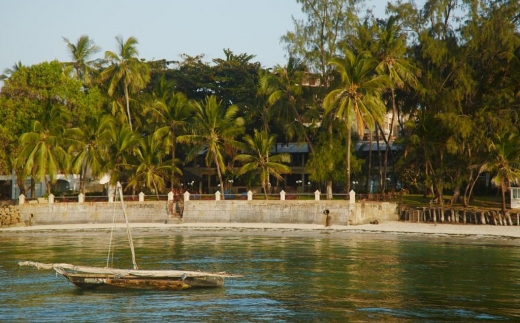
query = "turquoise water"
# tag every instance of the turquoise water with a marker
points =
(288, 277)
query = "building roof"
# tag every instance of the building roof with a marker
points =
(291, 148)
(365, 146)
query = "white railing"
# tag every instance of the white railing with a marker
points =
(187, 196)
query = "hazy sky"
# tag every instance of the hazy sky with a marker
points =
(32, 31)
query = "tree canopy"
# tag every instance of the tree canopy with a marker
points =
(446, 75)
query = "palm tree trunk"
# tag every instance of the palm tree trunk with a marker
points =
(390, 133)
(173, 161)
(33, 186)
(383, 166)
(329, 182)
(156, 190)
(349, 139)
(219, 173)
(369, 175)
(300, 121)
(379, 159)
(503, 191)
(127, 98)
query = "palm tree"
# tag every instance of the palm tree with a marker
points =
(284, 89)
(504, 161)
(80, 54)
(358, 97)
(124, 143)
(171, 111)
(125, 71)
(10, 71)
(44, 148)
(90, 148)
(151, 169)
(215, 130)
(259, 158)
(391, 49)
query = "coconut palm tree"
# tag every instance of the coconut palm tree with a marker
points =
(151, 170)
(391, 49)
(504, 162)
(285, 92)
(357, 100)
(90, 148)
(258, 158)
(215, 129)
(44, 148)
(171, 112)
(125, 72)
(10, 71)
(80, 54)
(124, 143)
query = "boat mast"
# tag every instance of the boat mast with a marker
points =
(120, 190)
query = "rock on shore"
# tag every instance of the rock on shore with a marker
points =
(10, 216)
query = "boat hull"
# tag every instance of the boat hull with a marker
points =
(94, 281)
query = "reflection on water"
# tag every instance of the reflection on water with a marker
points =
(296, 278)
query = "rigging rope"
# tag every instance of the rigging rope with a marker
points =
(112, 233)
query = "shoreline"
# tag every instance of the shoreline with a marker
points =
(390, 227)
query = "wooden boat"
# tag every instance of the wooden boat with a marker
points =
(86, 277)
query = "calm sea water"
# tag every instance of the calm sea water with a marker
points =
(288, 277)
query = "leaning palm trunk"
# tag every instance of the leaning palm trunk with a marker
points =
(219, 173)
(156, 190)
(264, 185)
(127, 98)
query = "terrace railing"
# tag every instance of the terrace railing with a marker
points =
(187, 196)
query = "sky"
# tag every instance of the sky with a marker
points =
(32, 31)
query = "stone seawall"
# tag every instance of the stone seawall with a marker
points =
(93, 212)
(303, 212)
(228, 211)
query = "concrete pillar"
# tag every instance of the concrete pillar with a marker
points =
(217, 196)
(171, 196)
(186, 196)
(51, 198)
(141, 197)
(81, 198)
(249, 195)
(317, 195)
(282, 195)
(21, 199)
(352, 198)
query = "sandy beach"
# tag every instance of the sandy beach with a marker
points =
(395, 227)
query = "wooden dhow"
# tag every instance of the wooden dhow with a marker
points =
(87, 277)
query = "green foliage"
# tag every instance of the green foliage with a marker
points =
(451, 84)
(34, 94)
(504, 162)
(151, 169)
(259, 158)
(327, 164)
(126, 74)
(213, 131)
